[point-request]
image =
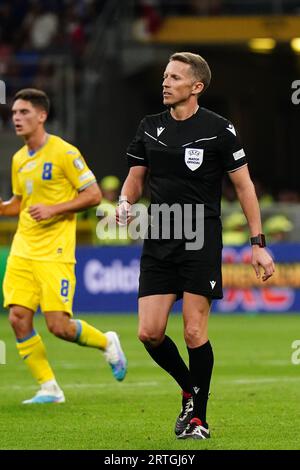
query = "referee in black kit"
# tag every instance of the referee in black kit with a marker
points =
(186, 150)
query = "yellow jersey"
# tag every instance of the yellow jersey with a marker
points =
(55, 173)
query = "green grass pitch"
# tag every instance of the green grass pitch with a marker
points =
(254, 400)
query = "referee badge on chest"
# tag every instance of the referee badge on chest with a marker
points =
(193, 158)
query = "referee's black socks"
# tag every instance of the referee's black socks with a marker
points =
(201, 361)
(167, 356)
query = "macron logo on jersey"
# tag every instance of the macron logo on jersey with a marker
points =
(159, 130)
(231, 129)
(212, 283)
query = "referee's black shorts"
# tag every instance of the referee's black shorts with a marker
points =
(168, 268)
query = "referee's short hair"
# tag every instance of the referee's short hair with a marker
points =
(199, 66)
(37, 98)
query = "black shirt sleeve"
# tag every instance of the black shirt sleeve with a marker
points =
(232, 152)
(136, 152)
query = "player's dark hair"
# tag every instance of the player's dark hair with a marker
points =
(37, 98)
(199, 66)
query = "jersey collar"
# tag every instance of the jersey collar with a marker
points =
(31, 153)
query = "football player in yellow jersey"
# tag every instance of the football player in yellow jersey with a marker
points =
(51, 182)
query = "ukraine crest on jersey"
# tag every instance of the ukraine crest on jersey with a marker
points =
(52, 175)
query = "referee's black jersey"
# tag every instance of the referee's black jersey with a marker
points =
(187, 159)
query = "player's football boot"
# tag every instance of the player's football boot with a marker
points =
(46, 396)
(115, 356)
(195, 430)
(186, 413)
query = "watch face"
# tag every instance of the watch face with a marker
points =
(262, 240)
(259, 240)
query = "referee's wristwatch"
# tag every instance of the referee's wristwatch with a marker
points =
(259, 240)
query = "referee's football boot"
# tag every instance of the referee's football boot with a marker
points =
(46, 396)
(186, 413)
(115, 356)
(195, 430)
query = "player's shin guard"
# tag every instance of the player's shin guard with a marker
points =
(33, 353)
(87, 335)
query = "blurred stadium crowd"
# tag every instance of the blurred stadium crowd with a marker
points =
(150, 14)
(154, 11)
(216, 7)
(34, 32)
(48, 26)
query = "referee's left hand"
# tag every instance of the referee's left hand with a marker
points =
(41, 212)
(262, 259)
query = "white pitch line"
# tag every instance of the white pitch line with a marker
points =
(106, 385)
(268, 362)
(276, 362)
(261, 380)
(86, 385)
(81, 366)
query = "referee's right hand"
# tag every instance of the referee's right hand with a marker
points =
(123, 213)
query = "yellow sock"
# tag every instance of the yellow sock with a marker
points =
(87, 335)
(33, 353)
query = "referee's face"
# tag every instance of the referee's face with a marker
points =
(179, 84)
